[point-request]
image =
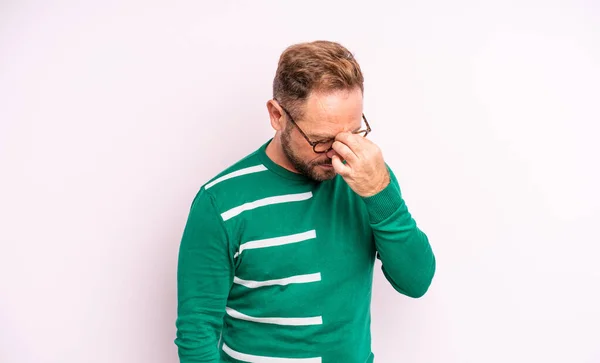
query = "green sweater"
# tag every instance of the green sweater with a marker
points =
(275, 268)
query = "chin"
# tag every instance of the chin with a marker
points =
(322, 175)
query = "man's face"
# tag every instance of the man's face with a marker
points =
(325, 115)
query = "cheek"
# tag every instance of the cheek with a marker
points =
(301, 148)
(306, 153)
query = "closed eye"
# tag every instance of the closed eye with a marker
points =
(323, 139)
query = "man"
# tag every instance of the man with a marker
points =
(276, 260)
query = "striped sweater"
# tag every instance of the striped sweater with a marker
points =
(276, 268)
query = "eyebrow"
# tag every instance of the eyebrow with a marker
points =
(324, 137)
(320, 136)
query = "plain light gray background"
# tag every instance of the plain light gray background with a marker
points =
(113, 113)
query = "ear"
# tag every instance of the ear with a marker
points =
(276, 115)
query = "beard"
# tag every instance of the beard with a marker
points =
(309, 169)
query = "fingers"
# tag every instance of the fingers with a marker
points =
(351, 140)
(344, 151)
(339, 166)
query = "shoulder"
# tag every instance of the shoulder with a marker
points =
(244, 168)
(242, 182)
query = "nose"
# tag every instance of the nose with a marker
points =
(331, 152)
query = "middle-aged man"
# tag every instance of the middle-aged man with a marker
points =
(276, 260)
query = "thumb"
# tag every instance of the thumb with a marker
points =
(339, 167)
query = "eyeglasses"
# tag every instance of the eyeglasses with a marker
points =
(323, 146)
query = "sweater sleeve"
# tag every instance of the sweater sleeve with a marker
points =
(408, 262)
(204, 278)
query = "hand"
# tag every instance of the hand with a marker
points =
(365, 170)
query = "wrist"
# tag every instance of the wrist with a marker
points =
(378, 186)
(384, 203)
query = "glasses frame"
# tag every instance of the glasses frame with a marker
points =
(314, 144)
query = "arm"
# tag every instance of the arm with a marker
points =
(404, 250)
(407, 260)
(204, 278)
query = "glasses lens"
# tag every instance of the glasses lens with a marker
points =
(323, 147)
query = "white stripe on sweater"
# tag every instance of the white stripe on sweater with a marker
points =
(245, 171)
(299, 279)
(264, 202)
(276, 241)
(315, 320)
(262, 359)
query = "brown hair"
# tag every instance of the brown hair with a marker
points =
(316, 66)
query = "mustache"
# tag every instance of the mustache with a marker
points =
(324, 162)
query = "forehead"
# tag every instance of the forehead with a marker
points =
(327, 114)
(334, 104)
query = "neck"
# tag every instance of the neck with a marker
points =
(275, 152)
